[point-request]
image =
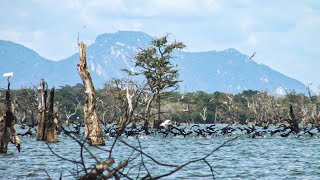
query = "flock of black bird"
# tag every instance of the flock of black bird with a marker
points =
(195, 130)
(213, 130)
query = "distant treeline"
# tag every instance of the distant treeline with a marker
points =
(248, 107)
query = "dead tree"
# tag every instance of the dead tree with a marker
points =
(293, 122)
(51, 130)
(139, 161)
(69, 114)
(25, 106)
(46, 126)
(204, 115)
(147, 114)
(42, 108)
(7, 126)
(93, 129)
(127, 116)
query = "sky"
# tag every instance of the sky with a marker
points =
(285, 34)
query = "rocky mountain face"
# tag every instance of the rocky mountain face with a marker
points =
(227, 71)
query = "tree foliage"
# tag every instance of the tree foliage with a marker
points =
(154, 63)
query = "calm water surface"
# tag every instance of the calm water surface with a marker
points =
(243, 158)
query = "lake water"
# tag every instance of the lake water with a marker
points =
(243, 158)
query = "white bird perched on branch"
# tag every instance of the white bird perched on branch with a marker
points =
(8, 75)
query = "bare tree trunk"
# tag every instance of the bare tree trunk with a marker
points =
(46, 127)
(134, 123)
(204, 115)
(93, 130)
(317, 114)
(33, 121)
(215, 115)
(122, 123)
(294, 125)
(126, 116)
(157, 120)
(147, 114)
(130, 99)
(7, 126)
(51, 130)
(42, 108)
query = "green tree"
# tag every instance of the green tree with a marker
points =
(154, 64)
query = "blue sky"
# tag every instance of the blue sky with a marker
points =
(285, 34)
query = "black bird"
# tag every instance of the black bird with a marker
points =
(309, 132)
(252, 55)
(17, 145)
(285, 134)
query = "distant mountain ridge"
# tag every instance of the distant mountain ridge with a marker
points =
(226, 71)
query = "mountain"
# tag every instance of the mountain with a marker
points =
(227, 71)
(231, 71)
(26, 64)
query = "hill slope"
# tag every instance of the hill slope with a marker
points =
(228, 70)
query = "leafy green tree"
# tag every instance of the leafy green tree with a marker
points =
(154, 64)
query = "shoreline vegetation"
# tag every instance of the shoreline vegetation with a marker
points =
(247, 108)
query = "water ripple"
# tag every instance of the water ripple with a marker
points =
(244, 158)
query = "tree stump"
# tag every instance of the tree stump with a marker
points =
(42, 108)
(294, 124)
(93, 129)
(51, 130)
(46, 127)
(7, 127)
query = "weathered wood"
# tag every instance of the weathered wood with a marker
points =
(116, 169)
(147, 113)
(42, 108)
(122, 123)
(51, 130)
(294, 125)
(7, 126)
(157, 120)
(317, 114)
(98, 170)
(46, 127)
(93, 129)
